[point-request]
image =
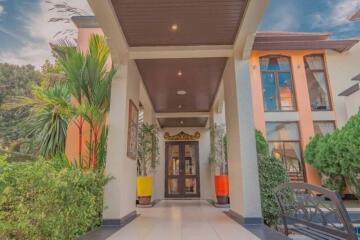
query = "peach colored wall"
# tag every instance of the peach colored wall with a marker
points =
(302, 99)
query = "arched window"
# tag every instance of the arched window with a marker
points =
(317, 83)
(277, 83)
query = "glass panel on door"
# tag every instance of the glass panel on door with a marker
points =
(174, 160)
(190, 186)
(173, 185)
(190, 159)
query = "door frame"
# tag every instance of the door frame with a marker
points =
(181, 177)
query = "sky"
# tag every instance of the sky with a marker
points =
(25, 29)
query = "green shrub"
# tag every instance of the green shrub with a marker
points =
(337, 156)
(48, 200)
(272, 173)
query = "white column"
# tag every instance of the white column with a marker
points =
(120, 192)
(243, 169)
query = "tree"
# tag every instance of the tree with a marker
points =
(337, 156)
(89, 81)
(148, 149)
(15, 81)
(218, 149)
(272, 173)
(50, 114)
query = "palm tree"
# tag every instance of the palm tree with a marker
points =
(89, 79)
(49, 117)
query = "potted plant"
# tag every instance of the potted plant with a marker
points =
(218, 158)
(147, 159)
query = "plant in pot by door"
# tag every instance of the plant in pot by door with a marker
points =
(147, 159)
(218, 158)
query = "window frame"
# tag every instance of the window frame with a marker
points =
(282, 142)
(324, 121)
(325, 71)
(276, 77)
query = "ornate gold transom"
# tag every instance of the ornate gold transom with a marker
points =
(182, 136)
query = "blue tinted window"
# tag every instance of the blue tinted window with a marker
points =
(277, 84)
(269, 92)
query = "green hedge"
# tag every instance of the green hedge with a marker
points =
(337, 156)
(48, 200)
(272, 173)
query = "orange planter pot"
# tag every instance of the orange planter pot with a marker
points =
(222, 189)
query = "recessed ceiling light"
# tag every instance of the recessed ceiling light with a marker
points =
(174, 27)
(179, 73)
(181, 92)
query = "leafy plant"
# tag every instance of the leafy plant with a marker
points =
(218, 148)
(272, 173)
(148, 148)
(48, 199)
(89, 81)
(337, 156)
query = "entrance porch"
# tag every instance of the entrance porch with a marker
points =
(185, 72)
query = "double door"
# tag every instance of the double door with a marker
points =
(182, 170)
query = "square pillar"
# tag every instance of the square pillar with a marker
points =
(120, 192)
(245, 201)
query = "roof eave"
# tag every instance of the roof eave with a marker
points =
(85, 21)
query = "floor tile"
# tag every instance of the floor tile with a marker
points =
(182, 220)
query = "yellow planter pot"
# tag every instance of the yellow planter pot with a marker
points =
(144, 186)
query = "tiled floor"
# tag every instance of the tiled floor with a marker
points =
(183, 220)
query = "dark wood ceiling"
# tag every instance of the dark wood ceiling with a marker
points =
(200, 22)
(183, 122)
(200, 79)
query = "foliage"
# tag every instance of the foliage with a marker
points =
(272, 173)
(50, 113)
(14, 81)
(88, 79)
(48, 199)
(218, 148)
(17, 156)
(148, 148)
(51, 74)
(262, 147)
(337, 156)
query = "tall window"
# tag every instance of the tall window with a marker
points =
(317, 83)
(277, 83)
(284, 143)
(324, 127)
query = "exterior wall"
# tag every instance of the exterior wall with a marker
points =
(303, 115)
(352, 104)
(206, 190)
(342, 67)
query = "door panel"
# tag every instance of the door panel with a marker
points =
(182, 169)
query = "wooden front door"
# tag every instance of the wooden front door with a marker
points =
(182, 170)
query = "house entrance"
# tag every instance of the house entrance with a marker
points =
(182, 170)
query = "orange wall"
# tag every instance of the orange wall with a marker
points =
(302, 99)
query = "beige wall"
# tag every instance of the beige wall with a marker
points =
(120, 193)
(352, 104)
(342, 67)
(206, 190)
(243, 169)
